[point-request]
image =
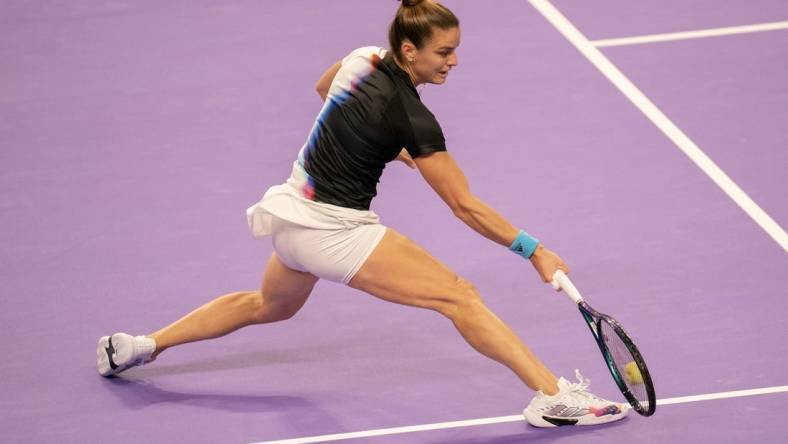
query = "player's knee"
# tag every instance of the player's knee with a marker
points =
(462, 299)
(254, 302)
(287, 311)
(265, 310)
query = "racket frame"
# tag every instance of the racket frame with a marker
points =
(594, 320)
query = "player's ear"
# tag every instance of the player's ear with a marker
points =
(408, 51)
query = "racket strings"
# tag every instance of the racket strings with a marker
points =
(626, 364)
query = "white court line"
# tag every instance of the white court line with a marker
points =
(662, 122)
(723, 395)
(715, 32)
(503, 419)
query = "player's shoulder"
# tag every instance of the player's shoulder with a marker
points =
(367, 64)
(365, 68)
(365, 54)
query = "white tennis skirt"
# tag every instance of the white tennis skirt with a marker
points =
(329, 241)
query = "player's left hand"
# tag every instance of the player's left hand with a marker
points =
(405, 158)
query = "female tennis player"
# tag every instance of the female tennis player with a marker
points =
(321, 226)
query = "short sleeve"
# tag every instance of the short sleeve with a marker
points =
(365, 53)
(355, 66)
(427, 135)
(416, 128)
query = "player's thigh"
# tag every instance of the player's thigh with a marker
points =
(285, 287)
(401, 271)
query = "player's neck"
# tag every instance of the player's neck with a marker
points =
(408, 72)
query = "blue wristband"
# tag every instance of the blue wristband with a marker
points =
(524, 244)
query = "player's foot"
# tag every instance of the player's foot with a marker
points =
(120, 351)
(572, 405)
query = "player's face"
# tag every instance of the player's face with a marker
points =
(437, 57)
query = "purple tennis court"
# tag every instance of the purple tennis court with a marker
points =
(135, 134)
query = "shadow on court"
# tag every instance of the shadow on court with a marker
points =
(531, 434)
(296, 412)
(137, 394)
(240, 360)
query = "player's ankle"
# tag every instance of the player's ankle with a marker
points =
(157, 348)
(550, 389)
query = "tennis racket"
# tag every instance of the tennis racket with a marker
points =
(625, 362)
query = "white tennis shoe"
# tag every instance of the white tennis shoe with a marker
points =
(572, 405)
(121, 351)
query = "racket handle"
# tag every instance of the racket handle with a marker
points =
(561, 282)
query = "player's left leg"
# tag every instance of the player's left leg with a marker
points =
(284, 291)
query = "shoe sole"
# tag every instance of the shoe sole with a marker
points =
(537, 420)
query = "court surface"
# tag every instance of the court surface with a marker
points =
(135, 134)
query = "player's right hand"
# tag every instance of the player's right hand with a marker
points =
(547, 263)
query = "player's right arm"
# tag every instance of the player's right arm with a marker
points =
(447, 179)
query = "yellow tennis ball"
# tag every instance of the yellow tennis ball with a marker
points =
(632, 373)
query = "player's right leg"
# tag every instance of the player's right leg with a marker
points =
(400, 271)
(284, 291)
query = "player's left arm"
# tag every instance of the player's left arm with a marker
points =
(324, 83)
(405, 158)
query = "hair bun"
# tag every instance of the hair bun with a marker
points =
(411, 3)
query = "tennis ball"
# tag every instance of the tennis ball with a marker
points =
(632, 373)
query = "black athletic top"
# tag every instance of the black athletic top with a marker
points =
(371, 112)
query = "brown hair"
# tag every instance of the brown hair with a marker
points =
(414, 21)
